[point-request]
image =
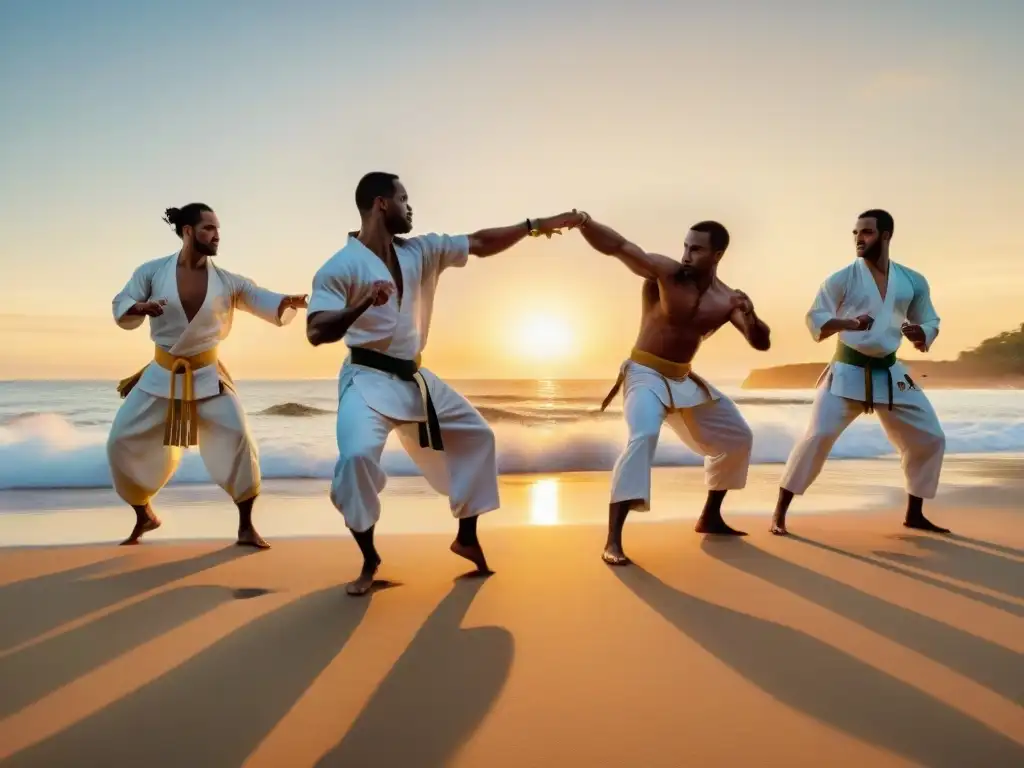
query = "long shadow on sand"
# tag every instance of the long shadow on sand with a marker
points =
(987, 545)
(44, 603)
(981, 597)
(827, 684)
(435, 696)
(64, 658)
(986, 569)
(987, 663)
(218, 706)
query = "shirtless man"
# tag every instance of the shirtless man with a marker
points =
(683, 304)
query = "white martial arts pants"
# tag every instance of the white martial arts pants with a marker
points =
(141, 464)
(913, 428)
(466, 471)
(715, 430)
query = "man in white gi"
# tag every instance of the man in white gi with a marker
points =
(185, 396)
(683, 303)
(377, 294)
(872, 304)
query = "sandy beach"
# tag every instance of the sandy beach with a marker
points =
(851, 643)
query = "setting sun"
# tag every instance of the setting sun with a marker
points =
(543, 336)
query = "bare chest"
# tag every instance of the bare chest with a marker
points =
(193, 285)
(683, 303)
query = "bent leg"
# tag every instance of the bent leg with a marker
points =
(631, 476)
(140, 464)
(718, 432)
(359, 478)
(466, 470)
(915, 431)
(830, 416)
(232, 458)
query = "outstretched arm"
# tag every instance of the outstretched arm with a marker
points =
(443, 251)
(606, 240)
(275, 308)
(754, 329)
(488, 242)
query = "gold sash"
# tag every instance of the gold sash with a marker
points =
(668, 370)
(182, 425)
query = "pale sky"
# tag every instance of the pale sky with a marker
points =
(782, 121)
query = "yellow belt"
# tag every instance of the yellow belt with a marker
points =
(182, 425)
(667, 368)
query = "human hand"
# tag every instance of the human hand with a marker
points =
(380, 292)
(297, 301)
(153, 308)
(914, 334)
(553, 225)
(861, 323)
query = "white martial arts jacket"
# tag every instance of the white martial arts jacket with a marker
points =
(398, 328)
(851, 292)
(226, 291)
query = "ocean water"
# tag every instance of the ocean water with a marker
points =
(52, 434)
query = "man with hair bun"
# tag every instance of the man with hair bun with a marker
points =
(185, 396)
(682, 304)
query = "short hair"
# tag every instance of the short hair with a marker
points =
(187, 216)
(373, 185)
(883, 218)
(719, 235)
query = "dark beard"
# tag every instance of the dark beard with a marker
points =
(687, 274)
(873, 252)
(205, 249)
(398, 226)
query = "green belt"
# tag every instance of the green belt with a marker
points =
(850, 356)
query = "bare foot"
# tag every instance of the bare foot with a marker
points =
(472, 552)
(613, 555)
(250, 538)
(364, 583)
(779, 527)
(718, 526)
(142, 525)
(923, 524)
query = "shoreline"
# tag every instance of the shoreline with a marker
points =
(300, 509)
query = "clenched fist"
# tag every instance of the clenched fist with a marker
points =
(153, 308)
(861, 323)
(380, 292)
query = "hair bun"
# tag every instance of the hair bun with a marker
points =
(172, 215)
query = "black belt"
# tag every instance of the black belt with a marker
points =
(406, 370)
